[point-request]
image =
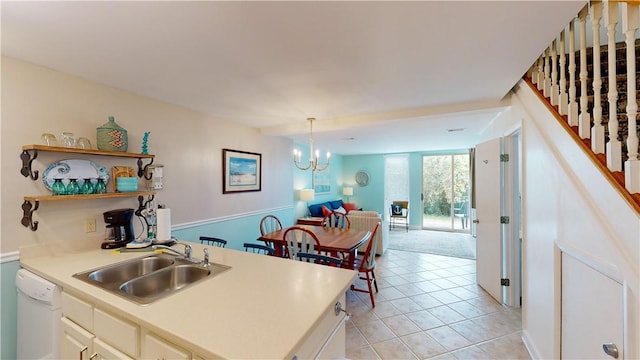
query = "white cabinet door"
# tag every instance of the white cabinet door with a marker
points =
(77, 343)
(488, 233)
(156, 348)
(592, 311)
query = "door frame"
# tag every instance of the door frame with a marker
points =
(512, 207)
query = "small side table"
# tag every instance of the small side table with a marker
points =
(314, 220)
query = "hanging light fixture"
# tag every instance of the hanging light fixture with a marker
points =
(313, 157)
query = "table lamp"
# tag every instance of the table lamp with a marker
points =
(347, 191)
(307, 195)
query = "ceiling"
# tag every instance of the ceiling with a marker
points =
(379, 76)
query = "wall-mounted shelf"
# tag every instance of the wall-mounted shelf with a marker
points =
(30, 153)
(87, 196)
(31, 203)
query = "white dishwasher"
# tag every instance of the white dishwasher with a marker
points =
(39, 313)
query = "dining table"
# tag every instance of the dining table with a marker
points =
(336, 241)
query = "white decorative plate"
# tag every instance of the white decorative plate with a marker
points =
(73, 169)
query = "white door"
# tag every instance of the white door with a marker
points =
(487, 219)
(592, 312)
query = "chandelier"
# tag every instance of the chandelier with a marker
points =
(314, 158)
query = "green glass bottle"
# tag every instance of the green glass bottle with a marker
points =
(87, 186)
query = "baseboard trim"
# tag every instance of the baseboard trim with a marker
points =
(528, 344)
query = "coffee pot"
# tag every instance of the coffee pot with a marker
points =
(119, 229)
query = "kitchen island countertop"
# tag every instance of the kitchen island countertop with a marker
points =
(263, 307)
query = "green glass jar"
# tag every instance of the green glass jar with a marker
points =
(87, 186)
(100, 187)
(58, 188)
(72, 187)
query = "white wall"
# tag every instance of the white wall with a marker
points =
(189, 145)
(569, 206)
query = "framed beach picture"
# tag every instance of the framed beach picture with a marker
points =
(241, 171)
(322, 181)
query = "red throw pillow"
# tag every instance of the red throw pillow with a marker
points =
(325, 210)
(349, 206)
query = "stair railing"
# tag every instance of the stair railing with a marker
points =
(603, 134)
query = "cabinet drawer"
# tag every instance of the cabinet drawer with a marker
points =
(107, 352)
(78, 311)
(116, 332)
(156, 348)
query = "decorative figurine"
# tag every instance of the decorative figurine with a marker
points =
(145, 139)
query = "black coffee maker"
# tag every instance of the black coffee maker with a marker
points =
(119, 230)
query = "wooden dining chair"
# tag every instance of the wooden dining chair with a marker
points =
(365, 266)
(213, 241)
(299, 239)
(320, 259)
(336, 220)
(269, 224)
(259, 249)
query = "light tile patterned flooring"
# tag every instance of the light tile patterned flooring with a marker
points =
(429, 307)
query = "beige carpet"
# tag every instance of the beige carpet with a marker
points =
(460, 245)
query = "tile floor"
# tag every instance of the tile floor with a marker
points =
(429, 307)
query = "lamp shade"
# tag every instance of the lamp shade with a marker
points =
(307, 194)
(347, 191)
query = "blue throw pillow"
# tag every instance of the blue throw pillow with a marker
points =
(316, 210)
(336, 204)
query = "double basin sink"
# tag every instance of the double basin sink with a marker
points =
(146, 279)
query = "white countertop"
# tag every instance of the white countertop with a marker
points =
(263, 307)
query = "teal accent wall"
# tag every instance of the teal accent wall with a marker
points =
(9, 309)
(236, 230)
(370, 197)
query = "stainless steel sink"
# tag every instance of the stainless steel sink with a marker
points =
(121, 272)
(149, 278)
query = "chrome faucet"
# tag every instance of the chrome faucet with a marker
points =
(186, 254)
(205, 262)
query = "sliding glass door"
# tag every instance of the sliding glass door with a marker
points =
(445, 192)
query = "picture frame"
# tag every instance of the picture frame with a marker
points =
(241, 171)
(322, 182)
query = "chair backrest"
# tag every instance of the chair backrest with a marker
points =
(299, 239)
(259, 249)
(213, 241)
(336, 220)
(369, 257)
(398, 206)
(269, 224)
(319, 259)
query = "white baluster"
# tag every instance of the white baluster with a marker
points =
(584, 120)
(563, 100)
(546, 88)
(630, 23)
(614, 146)
(597, 132)
(572, 114)
(540, 75)
(554, 74)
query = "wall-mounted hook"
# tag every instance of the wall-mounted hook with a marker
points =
(27, 215)
(27, 159)
(142, 171)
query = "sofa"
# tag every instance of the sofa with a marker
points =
(366, 220)
(359, 220)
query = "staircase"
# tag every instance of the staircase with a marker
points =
(575, 85)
